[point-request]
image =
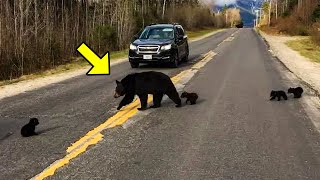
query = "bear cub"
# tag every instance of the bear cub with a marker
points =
(151, 82)
(297, 92)
(191, 97)
(29, 129)
(278, 94)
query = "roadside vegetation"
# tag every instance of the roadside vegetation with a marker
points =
(38, 35)
(292, 17)
(295, 18)
(306, 47)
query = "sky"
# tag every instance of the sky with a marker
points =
(221, 2)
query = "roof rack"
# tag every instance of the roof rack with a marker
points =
(152, 24)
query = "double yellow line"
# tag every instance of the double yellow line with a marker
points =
(94, 136)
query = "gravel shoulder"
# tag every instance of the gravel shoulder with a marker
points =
(302, 67)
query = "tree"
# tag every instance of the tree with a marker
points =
(316, 14)
(36, 35)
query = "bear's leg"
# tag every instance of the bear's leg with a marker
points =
(279, 97)
(273, 97)
(174, 96)
(187, 101)
(193, 102)
(128, 98)
(144, 101)
(157, 98)
(285, 97)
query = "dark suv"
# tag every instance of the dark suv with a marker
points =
(159, 43)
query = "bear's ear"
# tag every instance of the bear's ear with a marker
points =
(118, 82)
(34, 120)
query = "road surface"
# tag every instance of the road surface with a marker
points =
(234, 132)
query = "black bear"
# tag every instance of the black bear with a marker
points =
(240, 25)
(297, 92)
(144, 83)
(278, 94)
(192, 97)
(28, 129)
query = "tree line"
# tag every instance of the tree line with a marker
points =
(36, 35)
(294, 17)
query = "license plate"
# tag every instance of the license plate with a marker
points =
(147, 56)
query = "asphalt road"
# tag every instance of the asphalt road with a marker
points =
(234, 132)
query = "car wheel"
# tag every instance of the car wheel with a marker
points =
(134, 65)
(175, 62)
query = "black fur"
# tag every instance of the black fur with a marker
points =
(297, 92)
(29, 129)
(278, 94)
(144, 83)
(192, 97)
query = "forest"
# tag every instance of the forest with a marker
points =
(294, 17)
(36, 35)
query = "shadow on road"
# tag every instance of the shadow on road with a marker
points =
(43, 131)
(6, 136)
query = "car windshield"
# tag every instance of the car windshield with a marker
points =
(157, 33)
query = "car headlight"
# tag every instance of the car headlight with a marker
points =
(133, 47)
(166, 47)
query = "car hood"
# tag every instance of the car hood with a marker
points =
(152, 41)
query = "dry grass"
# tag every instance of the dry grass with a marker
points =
(307, 48)
(287, 26)
(316, 33)
(199, 33)
(270, 30)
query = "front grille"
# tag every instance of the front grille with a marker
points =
(148, 49)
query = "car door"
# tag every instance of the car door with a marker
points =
(183, 42)
(179, 42)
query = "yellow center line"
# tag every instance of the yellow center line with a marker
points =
(94, 136)
(98, 129)
(51, 169)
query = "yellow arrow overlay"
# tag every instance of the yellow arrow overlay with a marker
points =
(100, 66)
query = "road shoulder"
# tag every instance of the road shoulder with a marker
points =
(302, 67)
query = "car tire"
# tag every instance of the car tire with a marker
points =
(134, 65)
(175, 62)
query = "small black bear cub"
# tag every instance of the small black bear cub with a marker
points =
(192, 97)
(28, 129)
(278, 94)
(297, 92)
